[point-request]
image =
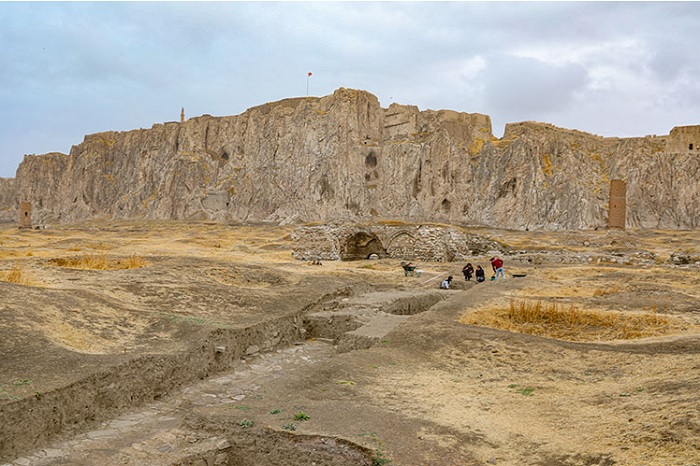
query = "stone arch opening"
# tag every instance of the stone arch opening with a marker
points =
(361, 245)
(402, 245)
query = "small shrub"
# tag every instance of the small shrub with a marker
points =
(289, 427)
(246, 423)
(378, 459)
(301, 416)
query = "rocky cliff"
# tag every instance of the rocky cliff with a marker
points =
(343, 157)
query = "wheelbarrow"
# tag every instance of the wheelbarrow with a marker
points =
(408, 269)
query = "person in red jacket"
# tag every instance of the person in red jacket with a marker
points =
(497, 265)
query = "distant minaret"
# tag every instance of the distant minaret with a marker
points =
(182, 115)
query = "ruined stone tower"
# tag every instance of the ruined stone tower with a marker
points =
(684, 138)
(617, 209)
(25, 214)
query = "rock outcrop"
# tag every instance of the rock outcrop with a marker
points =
(9, 207)
(343, 157)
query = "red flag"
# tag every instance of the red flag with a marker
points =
(309, 73)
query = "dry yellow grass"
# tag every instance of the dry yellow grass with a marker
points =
(586, 281)
(16, 275)
(611, 289)
(567, 290)
(572, 324)
(100, 262)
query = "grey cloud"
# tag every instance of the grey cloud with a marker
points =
(523, 86)
(123, 65)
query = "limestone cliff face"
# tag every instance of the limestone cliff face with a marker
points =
(8, 200)
(344, 158)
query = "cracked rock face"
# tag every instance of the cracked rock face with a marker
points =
(343, 157)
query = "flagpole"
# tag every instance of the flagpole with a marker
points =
(308, 75)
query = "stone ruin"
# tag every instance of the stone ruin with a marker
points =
(25, 214)
(617, 209)
(410, 242)
(684, 139)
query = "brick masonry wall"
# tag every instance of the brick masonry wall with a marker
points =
(618, 204)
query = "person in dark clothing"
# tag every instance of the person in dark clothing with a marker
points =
(468, 271)
(480, 275)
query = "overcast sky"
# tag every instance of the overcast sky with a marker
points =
(613, 69)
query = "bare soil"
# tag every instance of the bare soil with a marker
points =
(205, 355)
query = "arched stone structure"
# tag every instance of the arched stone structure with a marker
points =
(361, 245)
(401, 245)
(405, 241)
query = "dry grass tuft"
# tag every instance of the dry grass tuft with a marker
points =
(16, 275)
(573, 324)
(100, 262)
(609, 290)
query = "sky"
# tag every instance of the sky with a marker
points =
(68, 69)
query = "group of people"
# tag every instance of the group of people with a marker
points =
(496, 264)
(469, 272)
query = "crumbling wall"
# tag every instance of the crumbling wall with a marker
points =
(618, 204)
(684, 139)
(25, 214)
(410, 242)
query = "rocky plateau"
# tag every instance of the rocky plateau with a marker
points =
(344, 158)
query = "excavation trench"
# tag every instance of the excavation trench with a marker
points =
(275, 448)
(352, 322)
(363, 321)
(32, 422)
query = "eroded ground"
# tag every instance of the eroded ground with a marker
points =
(101, 366)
